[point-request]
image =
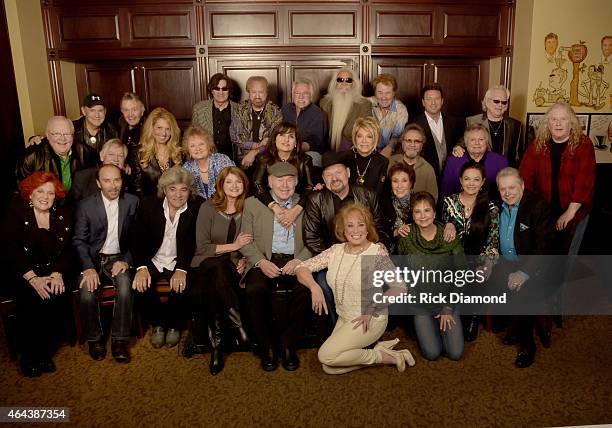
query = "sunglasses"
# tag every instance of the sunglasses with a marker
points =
(344, 79)
(503, 102)
(224, 89)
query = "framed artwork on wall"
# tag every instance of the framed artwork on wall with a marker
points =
(600, 133)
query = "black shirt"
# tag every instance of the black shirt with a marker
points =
(556, 151)
(497, 136)
(221, 124)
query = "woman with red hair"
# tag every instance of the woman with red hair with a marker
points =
(39, 232)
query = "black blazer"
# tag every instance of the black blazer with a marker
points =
(144, 180)
(91, 227)
(534, 234)
(19, 229)
(453, 134)
(148, 232)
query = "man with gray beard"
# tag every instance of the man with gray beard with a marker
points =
(344, 104)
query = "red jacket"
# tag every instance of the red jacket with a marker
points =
(576, 175)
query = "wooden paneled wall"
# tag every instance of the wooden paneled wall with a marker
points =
(165, 50)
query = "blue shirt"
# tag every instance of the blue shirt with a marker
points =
(282, 239)
(216, 163)
(507, 220)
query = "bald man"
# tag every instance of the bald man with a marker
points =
(57, 153)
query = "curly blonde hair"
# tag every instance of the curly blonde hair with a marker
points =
(543, 135)
(147, 143)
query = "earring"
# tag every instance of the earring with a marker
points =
(30, 203)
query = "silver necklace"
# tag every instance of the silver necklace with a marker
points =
(497, 128)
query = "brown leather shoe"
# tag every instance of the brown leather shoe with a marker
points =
(120, 351)
(97, 350)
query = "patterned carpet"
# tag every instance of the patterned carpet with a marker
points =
(569, 384)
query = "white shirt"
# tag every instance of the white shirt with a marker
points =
(111, 244)
(437, 128)
(166, 255)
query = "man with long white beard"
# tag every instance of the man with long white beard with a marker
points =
(344, 104)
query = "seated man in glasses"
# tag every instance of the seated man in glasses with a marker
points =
(344, 104)
(506, 133)
(215, 113)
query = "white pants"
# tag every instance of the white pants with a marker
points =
(343, 351)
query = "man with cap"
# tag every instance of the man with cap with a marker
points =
(321, 209)
(272, 257)
(92, 129)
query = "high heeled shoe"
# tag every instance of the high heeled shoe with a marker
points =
(401, 357)
(388, 344)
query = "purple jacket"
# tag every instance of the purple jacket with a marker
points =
(493, 163)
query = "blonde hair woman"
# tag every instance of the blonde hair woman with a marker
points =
(368, 167)
(160, 149)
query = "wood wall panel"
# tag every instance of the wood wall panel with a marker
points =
(402, 25)
(321, 24)
(243, 28)
(153, 26)
(464, 85)
(172, 85)
(472, 28)
(89, 28)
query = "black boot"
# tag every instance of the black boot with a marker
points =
(471, 328)
(236, 322)
(216, 354)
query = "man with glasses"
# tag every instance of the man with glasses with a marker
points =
(441, 130)
(413, 139)
(343, 105)
(57, 153)
(506, 133)
(308, 118)
(215, 113)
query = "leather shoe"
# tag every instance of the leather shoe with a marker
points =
(120, 351)
(290, 359)
(525, 357)
(471, 330)
(269, 360)
(47, 365)
(30, 368)
(97, 350)
(510, 340)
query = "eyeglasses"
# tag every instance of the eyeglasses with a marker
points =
(61, 134)
(344, 79)
(224, 89)
(503, 102)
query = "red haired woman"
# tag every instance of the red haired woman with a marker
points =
(39, 256)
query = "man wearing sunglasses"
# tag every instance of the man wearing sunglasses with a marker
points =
(506, 133)
(215, 113)
(343, 105)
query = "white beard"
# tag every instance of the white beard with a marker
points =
(341, 107)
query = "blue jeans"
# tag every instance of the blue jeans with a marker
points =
(122, 309)
(329, 295)
(433, 341)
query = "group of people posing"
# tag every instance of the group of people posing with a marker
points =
(253, 201)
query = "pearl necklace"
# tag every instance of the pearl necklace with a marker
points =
(342, 290)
